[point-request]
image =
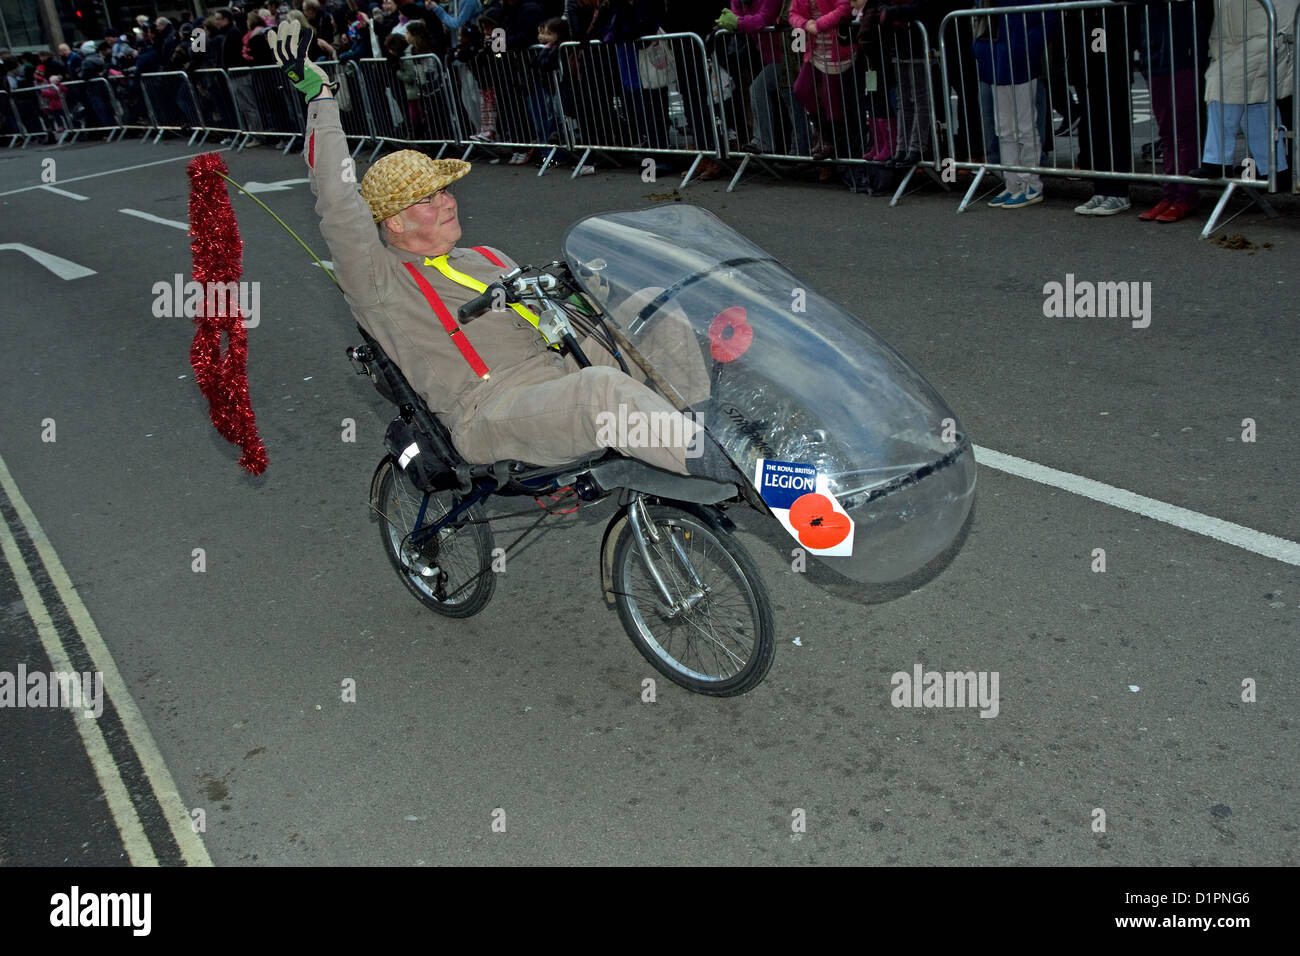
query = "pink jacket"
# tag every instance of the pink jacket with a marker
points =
(827, 24)
(753, 16)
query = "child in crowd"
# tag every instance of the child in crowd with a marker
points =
(542, 107)
(825, 57)
(1010, 57)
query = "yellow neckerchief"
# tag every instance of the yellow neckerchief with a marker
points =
(470, 282)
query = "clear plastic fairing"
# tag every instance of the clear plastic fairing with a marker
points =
(793, 377)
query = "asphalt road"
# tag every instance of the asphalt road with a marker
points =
(1119, 691)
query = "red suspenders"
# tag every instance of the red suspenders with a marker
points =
(483, 251)
(444, 315)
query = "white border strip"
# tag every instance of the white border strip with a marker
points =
(193, 852)
(1239, 536)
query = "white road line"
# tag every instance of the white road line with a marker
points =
(160, 779)
(111, 172)
(1239, 536)
(61, 267)
(150, 217)
(276, 187)
(63, 192)
(123, 812)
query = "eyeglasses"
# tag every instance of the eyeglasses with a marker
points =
(435, 196)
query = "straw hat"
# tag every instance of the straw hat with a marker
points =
(399, 179)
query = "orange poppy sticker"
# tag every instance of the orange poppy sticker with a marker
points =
(816, 522)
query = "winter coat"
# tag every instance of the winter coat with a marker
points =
(1011, 51)
(1172, 36)
(587, 23)
(754, 15)
(1234, 37)
(829, 17)
(93, 66)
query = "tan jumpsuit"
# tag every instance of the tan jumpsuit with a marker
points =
(536, 406)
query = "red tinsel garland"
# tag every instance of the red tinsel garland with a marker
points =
(217, 255)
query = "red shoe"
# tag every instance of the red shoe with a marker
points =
(1175, 212)
(1151, 215)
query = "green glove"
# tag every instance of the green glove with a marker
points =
(292, 47)
(728, 21)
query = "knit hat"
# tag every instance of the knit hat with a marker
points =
(88, 48)
(399, 179)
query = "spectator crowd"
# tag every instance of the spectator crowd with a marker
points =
(855, 81)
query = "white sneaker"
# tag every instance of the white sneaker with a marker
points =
(587, 171)
(1103, 206)
(1090, 207)
(1110, 205)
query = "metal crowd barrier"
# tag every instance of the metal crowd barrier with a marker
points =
(393, 116)
(880, 105)
(92, 108)
(39, 111)
(216, 98)
(667, 94)
(173, 105)
(134, 109)
(623, 94)
(353, 116)
(269, 107)
(1295, 103)
(510, 102)
(11, 126)
(1086, 52)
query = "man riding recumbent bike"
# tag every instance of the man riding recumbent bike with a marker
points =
(832, 433)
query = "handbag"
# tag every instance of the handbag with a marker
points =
(656, 66)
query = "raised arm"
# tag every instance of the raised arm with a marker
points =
(466, 12)
(345, 220)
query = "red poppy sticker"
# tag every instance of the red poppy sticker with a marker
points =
(817, 523)
(730, 334)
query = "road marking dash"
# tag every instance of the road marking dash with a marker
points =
(63, 192)
(1239, 536)
(150, 217)
(61, 267)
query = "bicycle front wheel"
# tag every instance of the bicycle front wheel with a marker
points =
(717, 635)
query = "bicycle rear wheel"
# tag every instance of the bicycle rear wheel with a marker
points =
(720, 638)
(450, 572)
